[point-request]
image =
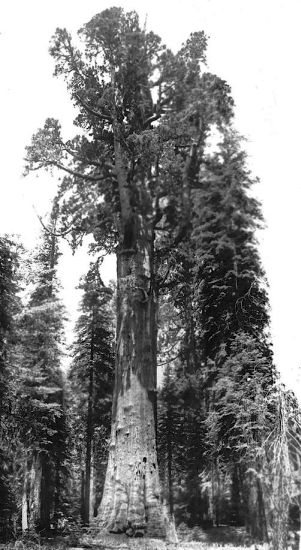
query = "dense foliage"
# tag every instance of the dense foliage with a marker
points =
(40, 402)
(8, 310)
(223, 363)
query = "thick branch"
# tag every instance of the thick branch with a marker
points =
(92, 111)
(66, 169)
(158, 112)
(78, 174)
(151, 119)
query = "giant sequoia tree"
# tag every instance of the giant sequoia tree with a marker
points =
(145, 115)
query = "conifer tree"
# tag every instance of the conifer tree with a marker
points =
(240, 422)
(217, 286)
(40, 409)
(91, 379)
(233, 305)
(232, 293)
(8, 307)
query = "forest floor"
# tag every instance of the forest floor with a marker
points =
(228, 538)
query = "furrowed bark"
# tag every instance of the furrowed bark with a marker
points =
(132, 501)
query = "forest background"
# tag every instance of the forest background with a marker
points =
(254, 46)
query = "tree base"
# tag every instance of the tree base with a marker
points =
(131, 501)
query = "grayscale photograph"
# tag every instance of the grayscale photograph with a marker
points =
(150, 226)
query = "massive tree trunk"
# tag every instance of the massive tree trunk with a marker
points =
(131, 501)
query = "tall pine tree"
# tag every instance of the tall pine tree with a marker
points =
(91, 379)
(8, 308)
(217, 285)
(40, 409)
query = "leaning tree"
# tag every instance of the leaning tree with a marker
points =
(144, 114)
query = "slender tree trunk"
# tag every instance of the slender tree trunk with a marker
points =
(25, 500)
(218, 493)
(46, 494)
(89, 433)
(235, 497)
(169, 459)
(35, 491)
(211, 499)
(92, 489)
(132, 500)
(57, 491)
(82, 495)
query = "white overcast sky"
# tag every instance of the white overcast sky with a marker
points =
(254, 44)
